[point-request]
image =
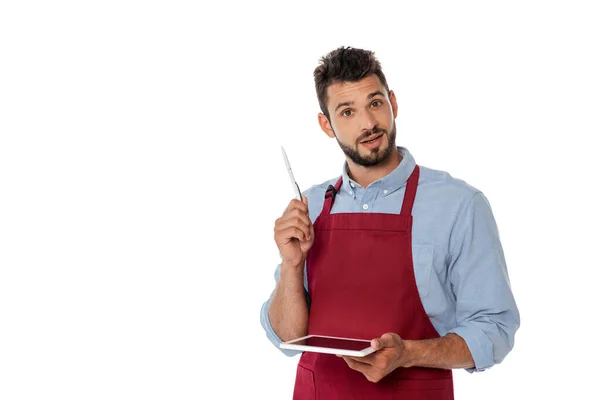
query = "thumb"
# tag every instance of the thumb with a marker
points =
(386, 340)
(304, 200)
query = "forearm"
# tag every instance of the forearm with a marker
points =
(288, 310)
(447, 352)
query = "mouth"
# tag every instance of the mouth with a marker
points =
(372, 141)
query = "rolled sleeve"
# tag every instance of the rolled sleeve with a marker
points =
(480, 346)
(266, 324)
(487, 317)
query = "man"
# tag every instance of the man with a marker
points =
(407, 256)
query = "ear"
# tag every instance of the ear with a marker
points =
(393, 103)
(325, 125)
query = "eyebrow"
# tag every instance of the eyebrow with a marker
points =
(344, 104)
(377, 93)
(349, 103)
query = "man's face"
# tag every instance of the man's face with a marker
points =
(362, 120)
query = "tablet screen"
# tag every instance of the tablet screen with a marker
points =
(334, 343)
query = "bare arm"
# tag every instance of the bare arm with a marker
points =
(447, 352)
(288, 311)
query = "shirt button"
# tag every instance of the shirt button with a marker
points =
(365, 206)
(351, 184)
(385, 191)
(350, 193)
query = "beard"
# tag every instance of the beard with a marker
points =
(376, 155)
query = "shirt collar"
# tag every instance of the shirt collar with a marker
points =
(392, 181)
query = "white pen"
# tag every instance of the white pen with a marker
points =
(289, 169)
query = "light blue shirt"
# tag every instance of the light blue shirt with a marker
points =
(458, 259)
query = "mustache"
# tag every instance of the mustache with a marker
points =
(371, 132)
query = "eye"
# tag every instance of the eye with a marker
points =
(347, 113)
(376, 103)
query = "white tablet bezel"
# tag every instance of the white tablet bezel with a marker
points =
(289, 345)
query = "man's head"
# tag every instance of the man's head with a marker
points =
(357, 105)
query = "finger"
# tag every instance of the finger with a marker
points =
(283, 232)
(298, 220)
(305, 201)
(357, 365)
(285, 235)
(284, 224)
(297, 214)
(370, 359)
(297, 204)
(386, 340)
(367, 360)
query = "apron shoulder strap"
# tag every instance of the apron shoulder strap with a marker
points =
(330, 196)
(407, 203)
(411, 192)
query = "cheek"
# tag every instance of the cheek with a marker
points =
(345, 138)
(344, 131)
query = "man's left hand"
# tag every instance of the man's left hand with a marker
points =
(390, 353)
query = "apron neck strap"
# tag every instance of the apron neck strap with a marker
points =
(407, 203)
(411, 192)
(330, 196)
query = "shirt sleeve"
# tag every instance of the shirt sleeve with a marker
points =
(264, 317)
(486, 312)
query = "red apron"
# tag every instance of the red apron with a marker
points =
(361, 284)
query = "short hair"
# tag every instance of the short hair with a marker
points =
(345, 64)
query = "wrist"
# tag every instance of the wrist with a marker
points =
(410, 355)
(292, 271)
(292, 265)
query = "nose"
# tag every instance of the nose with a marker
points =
(368, 121)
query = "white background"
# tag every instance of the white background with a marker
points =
(140, 178)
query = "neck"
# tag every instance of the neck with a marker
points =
(364, 176)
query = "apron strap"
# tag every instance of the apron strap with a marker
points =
(407, 203)
(330, 196)
(410, 193)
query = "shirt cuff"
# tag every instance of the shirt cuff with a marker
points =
(480, 346)
(264, 320)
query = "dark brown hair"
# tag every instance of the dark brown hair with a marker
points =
(345, 64)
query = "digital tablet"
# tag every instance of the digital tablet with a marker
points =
(330, 345)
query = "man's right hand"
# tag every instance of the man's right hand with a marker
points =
(294, 233)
